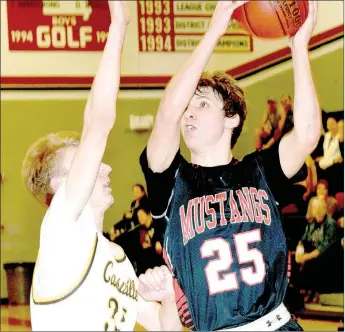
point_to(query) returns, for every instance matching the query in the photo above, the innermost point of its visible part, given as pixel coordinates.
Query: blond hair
(40, 163)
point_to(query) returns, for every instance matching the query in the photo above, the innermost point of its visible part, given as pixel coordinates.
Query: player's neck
(99, 217)
(211, 157)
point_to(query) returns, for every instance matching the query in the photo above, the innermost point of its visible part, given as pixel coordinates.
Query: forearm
(307, 115)
(183, 85)
(154, 316)
(102, 104)
(312, 255)
(168, 316)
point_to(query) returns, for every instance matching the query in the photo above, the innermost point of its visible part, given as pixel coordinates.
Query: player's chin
(191, 141)
(111, 200)
(108, 200)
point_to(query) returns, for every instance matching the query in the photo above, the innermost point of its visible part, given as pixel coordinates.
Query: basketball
(272, 19)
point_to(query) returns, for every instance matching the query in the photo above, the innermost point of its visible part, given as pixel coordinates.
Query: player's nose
(189, 114)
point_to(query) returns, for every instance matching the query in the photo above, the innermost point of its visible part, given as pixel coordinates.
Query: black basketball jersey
(224, 240)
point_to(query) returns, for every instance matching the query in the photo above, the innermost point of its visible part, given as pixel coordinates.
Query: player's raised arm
(100, 113)
(165, 137)
(297, 145)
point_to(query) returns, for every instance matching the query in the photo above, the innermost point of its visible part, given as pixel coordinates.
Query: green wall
(22, 122)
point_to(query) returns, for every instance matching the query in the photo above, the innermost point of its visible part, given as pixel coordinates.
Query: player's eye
(203, 104)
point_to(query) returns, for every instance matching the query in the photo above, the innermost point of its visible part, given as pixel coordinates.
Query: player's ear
(232, 122)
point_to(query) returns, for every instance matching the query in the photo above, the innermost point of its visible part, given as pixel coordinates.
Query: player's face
(101, 195)
(202, 123)
(137, 192)
(332, 125)
(321, 190)
(286, 101)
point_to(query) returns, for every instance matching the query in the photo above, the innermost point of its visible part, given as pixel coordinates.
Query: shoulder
(175, 164)
(58, 208)
(256, 158)
(117, 252)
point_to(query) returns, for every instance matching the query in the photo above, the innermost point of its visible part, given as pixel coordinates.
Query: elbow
(308, 140)
(102, 123)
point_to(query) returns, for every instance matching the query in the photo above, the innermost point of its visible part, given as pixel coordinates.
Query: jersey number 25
(228, 281)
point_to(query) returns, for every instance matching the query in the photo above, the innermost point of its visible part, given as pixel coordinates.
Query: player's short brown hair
(40, 163)
(232, 96)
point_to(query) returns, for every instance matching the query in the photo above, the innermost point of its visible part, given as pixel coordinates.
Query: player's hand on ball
(303, 35)
(156, 284)
(119, 12)
(221, 18)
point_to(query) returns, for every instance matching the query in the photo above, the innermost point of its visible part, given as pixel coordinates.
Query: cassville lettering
(249, 207)
(124, 287)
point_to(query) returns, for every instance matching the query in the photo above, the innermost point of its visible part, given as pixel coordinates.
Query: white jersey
(82, 282)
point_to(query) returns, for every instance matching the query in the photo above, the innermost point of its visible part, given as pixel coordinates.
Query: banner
(57, 25)
(163, 26)
(178, 26)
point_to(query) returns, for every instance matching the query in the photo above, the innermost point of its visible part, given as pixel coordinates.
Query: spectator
(269, 132)
(151, 235)
(140, 201)
(331, 149)
(322, 194)
(130, 219)
(311, 251)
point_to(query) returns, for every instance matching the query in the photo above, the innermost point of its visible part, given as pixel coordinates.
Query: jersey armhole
(40, 300)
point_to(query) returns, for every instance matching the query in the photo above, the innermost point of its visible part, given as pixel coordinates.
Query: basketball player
(224, 241)
(83, 282)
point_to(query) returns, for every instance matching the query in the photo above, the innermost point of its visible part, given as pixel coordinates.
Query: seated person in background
(287, 114)
(331, 150)
(151, 236)
(129, 219)
(319, 236)
(322, 194)
(140, 201)
(270, 131)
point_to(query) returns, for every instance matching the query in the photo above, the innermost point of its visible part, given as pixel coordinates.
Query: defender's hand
(156, 284)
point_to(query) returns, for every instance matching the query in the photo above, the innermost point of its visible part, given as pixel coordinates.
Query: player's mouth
(107, 184)
(189, 128)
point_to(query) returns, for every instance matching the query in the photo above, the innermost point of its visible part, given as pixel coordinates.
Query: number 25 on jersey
(252, 275)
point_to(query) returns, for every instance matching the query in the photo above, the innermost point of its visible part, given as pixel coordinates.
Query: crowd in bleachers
(313, 215)
(139, 234)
